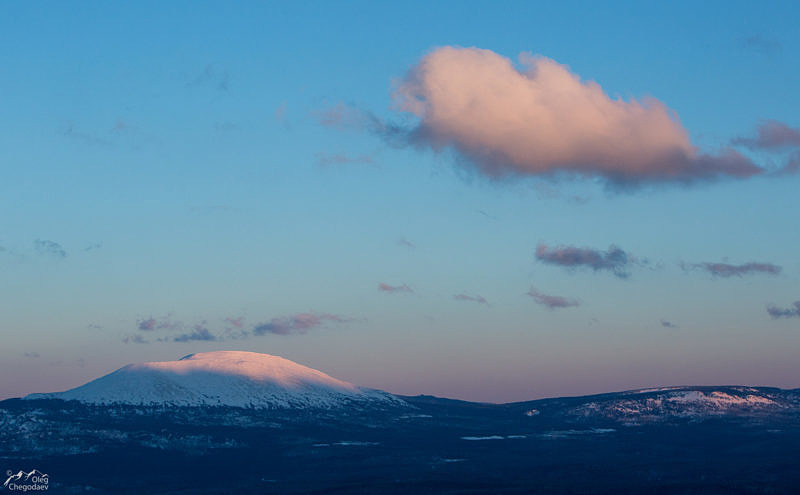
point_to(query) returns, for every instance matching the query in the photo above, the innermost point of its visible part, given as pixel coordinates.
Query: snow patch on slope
(684, 402)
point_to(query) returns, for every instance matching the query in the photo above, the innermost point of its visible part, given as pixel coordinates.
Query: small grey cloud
(211, 77)
(726, 270)
(668, 324)
(236, 322)
(771, 135)
(325, 159)
(550, 301)
(281, 114)
(466, 297)
(761, 43)
(135, 339)
(31, 355)
(776, 312)
(71, 131)
(199, 333)
(406, 243)
(165, 323)
(95, 245)
(615, 260)
(487, 215)
(49, 248)
(299, 323)
(394, 289)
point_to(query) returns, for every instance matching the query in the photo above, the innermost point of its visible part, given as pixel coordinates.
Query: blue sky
(172, 162)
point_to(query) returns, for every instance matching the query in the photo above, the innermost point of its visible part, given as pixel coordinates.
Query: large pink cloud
(540, 118)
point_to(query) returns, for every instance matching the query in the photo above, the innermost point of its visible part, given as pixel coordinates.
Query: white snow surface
(223, 378)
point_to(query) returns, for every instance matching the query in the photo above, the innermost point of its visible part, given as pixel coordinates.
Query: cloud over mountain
(296, 324)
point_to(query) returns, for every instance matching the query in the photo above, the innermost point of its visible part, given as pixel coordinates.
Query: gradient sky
(177, 172)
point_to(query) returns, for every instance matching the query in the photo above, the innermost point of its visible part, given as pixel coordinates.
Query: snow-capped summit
(223, 378)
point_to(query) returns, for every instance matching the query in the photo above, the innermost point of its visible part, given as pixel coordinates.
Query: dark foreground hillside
(698, 440)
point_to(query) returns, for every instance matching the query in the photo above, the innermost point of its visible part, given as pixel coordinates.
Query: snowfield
(223, 378)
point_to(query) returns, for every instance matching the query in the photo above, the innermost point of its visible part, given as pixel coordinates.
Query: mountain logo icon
(35, 477)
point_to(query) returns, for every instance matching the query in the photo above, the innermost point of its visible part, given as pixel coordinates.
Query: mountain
(223, 378)
(121, 436)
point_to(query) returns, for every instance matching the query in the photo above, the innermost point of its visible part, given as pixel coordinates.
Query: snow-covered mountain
(223, 378)
(687, 402)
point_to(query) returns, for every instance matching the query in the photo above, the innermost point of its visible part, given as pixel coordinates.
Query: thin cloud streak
(771, 135)
(325, 159)
(296, 324)
(466, 297)
(551, 301)
(726, 270)
(394, 289)
(614, 260)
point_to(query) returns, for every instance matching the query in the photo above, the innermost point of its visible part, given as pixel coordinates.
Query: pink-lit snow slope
(223, 378)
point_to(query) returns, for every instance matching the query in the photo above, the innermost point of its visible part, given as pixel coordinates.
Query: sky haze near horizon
(458, 199)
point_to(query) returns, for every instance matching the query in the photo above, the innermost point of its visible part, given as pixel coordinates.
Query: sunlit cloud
(539, 118)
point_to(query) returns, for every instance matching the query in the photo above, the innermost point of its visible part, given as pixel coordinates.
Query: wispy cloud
(392, 289)
(49, 248)
(550, 301)
(71, 131)
(326, 159)
(297, 324)
(212, 77)
(668, 324)
(777, 312)
(771, 135)
(763, 44)
(165, 323)
(614, 260)
(135, 339)
(406, 243)
(237, 322)
(726, 270)
(540, 119)
(199, 332)
(466, 297)
(282, 114)
(31, 355)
